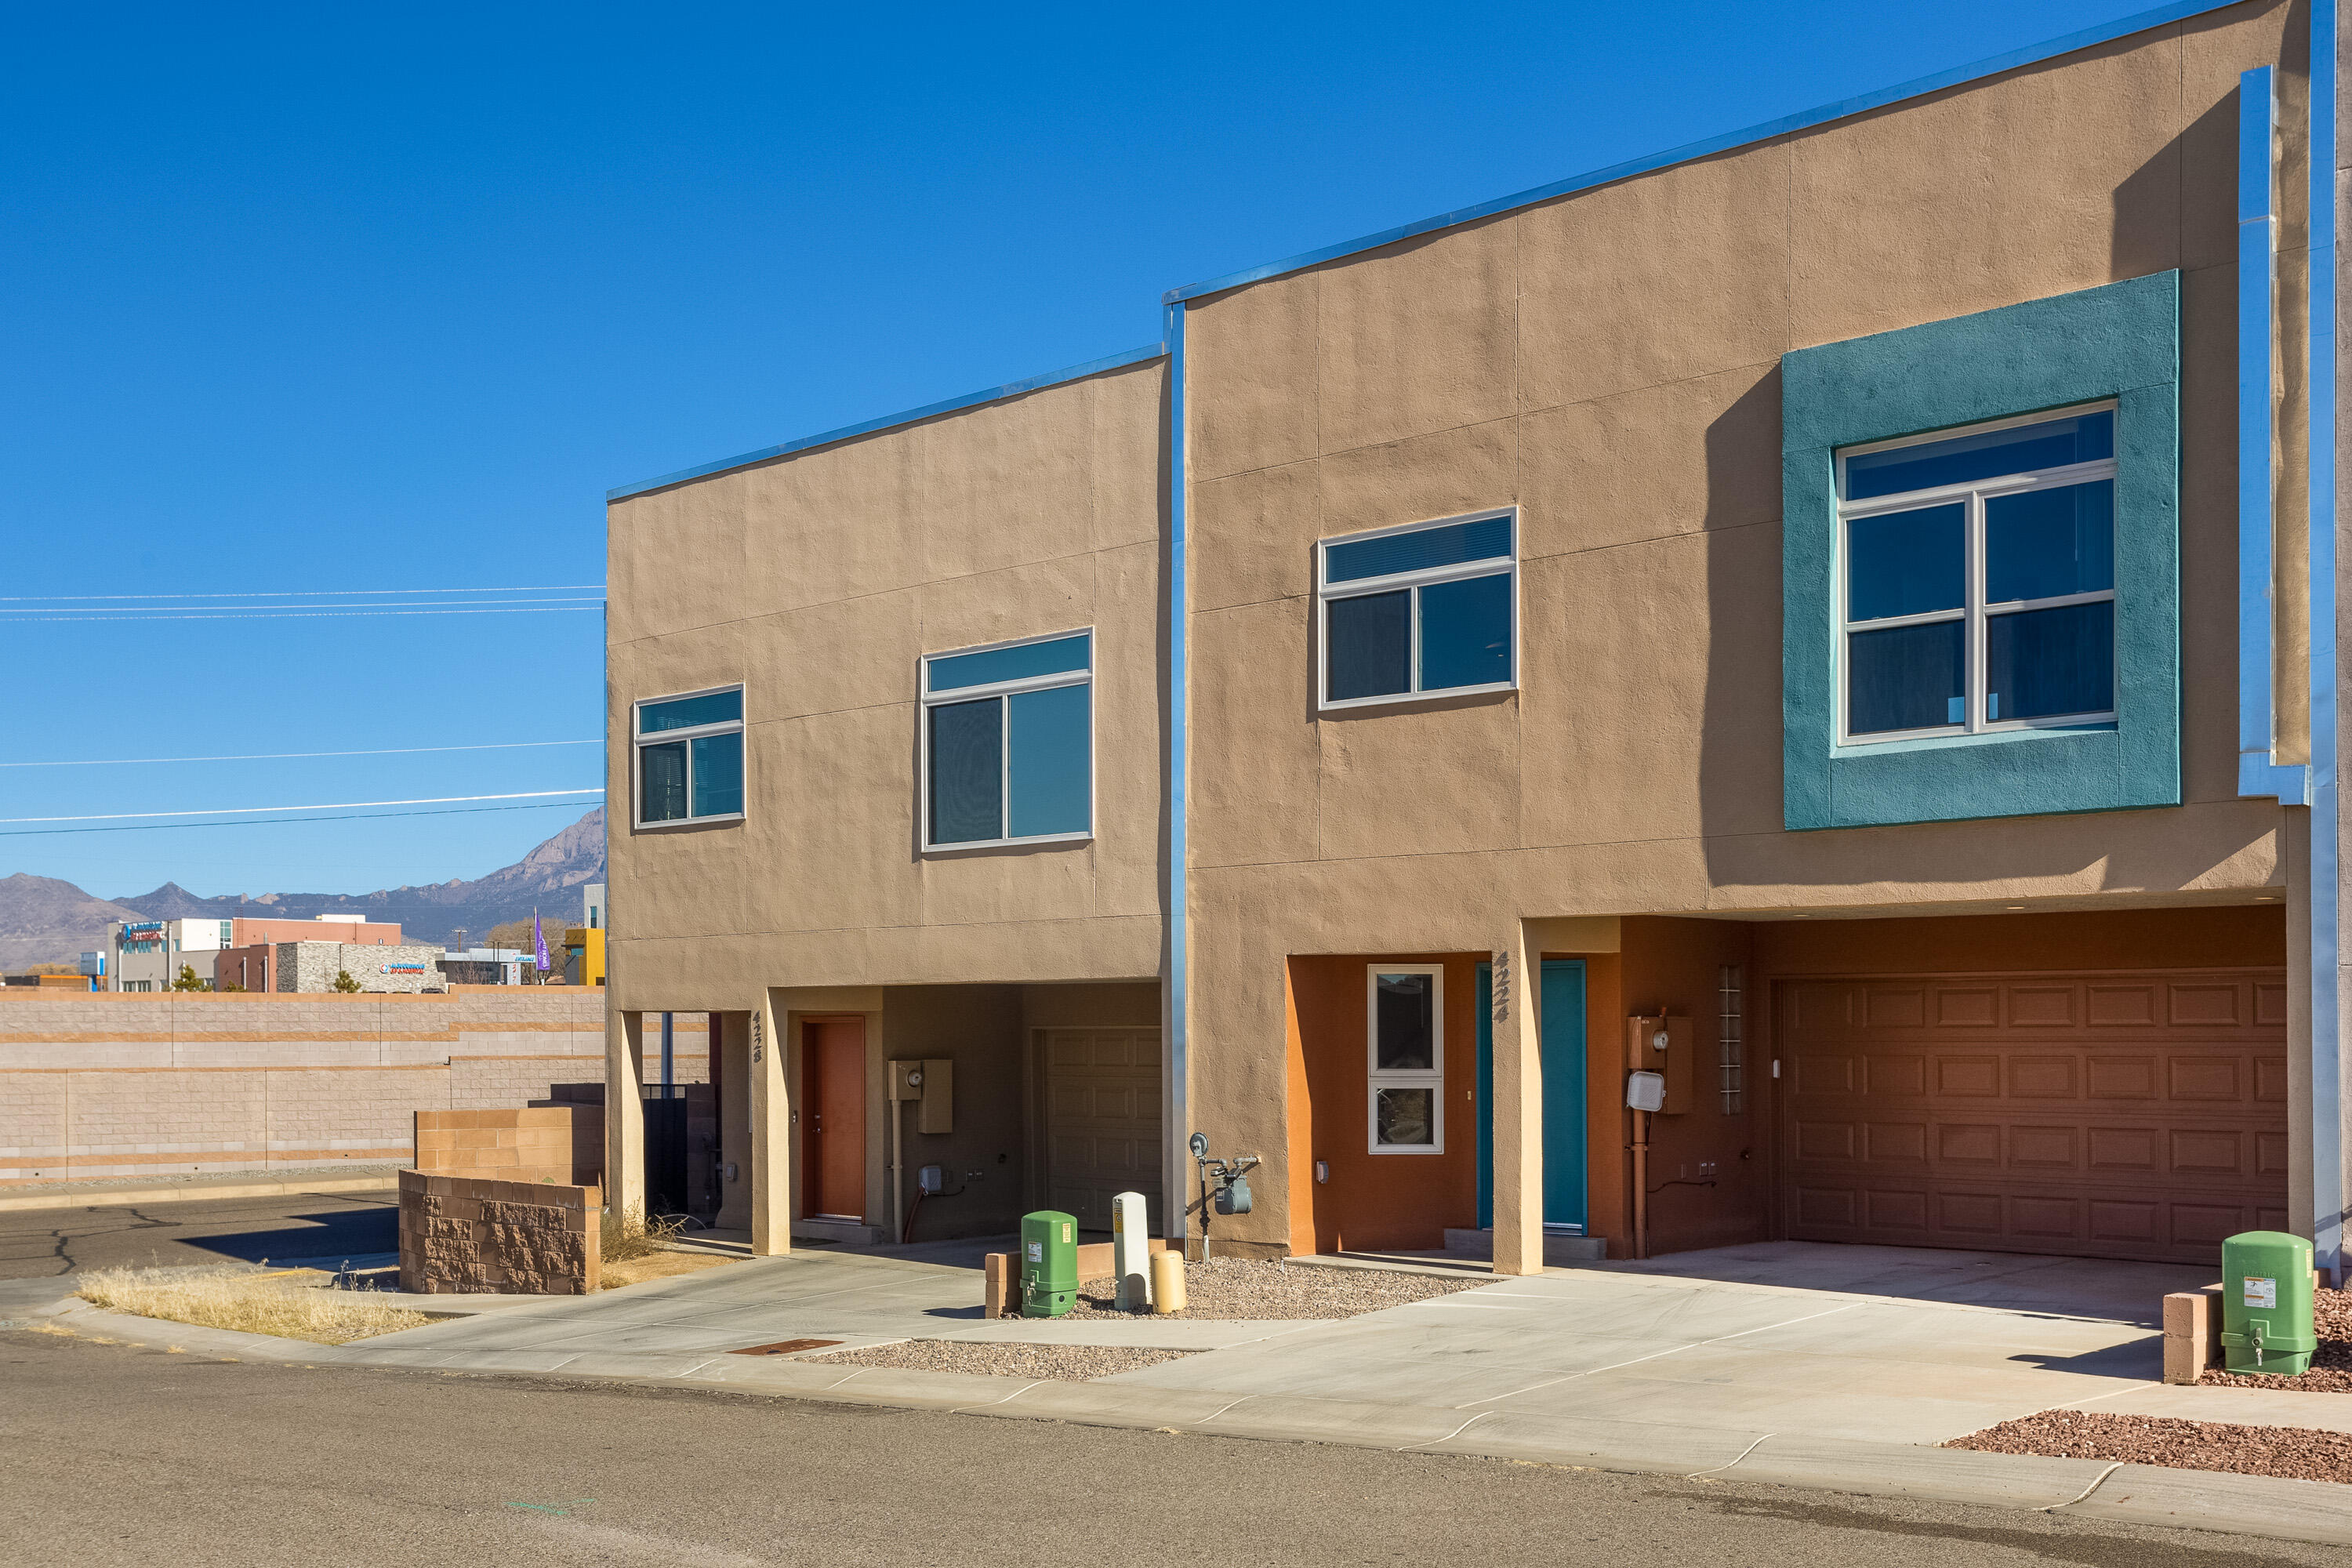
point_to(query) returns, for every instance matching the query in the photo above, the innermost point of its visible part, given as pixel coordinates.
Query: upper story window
(1008, 743)
(690, 757)
(1977, 578)
(1405, 1015)
(1421, 611)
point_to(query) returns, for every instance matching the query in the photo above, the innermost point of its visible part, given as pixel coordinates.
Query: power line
(283, 756)
(299, 593)
(238, 615)
(109, 610)
(283, 821)
(326, 805)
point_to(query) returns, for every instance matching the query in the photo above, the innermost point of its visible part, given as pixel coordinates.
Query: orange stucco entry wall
(1670, 965)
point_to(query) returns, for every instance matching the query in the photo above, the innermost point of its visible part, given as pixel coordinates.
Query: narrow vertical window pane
(1371, 646)
(1907, 677)
(2044, 543)
(718, 775)
(1465, 633)
(967, 772)
(2045, 664)
(1052, 760)
(661, 781)
(1906, 563)
(1405, 1030)
(1405, 1117)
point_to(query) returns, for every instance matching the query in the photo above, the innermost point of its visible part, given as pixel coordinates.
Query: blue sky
(324, 300)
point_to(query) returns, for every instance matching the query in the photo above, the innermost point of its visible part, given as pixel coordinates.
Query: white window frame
(1432, 1078)
(1973, 609)
(639, 740)
(928, 699)
(1326, 591)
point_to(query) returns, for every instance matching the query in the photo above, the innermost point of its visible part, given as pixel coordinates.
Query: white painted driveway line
(965, 1409)
(1655, 1355)
(2096, 1482)
(1408, 1448)
(1741, 1454)
(1221, 1409)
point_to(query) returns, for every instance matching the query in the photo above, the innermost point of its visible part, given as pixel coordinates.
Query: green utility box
(1049, 1265)
(2266, 1303)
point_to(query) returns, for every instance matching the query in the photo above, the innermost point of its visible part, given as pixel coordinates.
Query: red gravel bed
(2331, 1364)
(2293, 1452)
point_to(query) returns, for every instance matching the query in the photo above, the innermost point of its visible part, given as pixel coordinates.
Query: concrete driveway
(1881, 1344)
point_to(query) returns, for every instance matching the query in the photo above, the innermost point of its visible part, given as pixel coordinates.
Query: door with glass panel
(1976, 582)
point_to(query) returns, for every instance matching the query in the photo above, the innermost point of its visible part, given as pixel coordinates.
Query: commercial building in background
(483, 966)
(583, 944)
(147, 955)
(1829, 635)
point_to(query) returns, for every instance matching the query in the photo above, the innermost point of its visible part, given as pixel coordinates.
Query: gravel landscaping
(2294, 1452)
(2331, 1364)
(1232, 1289)
(1059, 1364)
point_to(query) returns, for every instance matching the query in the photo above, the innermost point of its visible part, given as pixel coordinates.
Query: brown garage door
(2101, 1115)
(1102, 1121)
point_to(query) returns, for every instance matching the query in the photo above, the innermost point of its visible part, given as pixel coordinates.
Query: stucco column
(1518, 1109)
(772, 1134)
(624, 1114)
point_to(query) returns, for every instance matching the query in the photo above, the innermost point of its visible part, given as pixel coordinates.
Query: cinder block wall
(115, 1084)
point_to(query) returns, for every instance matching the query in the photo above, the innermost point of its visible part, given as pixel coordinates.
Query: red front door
(832, 1081)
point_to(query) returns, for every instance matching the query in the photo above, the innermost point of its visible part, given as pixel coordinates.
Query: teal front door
(1563, 1094)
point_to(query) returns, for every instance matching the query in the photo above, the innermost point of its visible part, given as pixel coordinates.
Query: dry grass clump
(658, 1265)
(273, 1303)
(634, 1235)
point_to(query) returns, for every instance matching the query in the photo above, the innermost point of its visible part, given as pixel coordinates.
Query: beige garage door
(1102, 1121)
(2101, 1115)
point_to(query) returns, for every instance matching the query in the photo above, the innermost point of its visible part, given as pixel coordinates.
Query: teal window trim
(2119, 344)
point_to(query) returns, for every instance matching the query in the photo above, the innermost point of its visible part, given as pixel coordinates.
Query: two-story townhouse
(1829, 634)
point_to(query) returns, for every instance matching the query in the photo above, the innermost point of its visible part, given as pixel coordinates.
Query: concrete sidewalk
(1831, 1367)
(116, 1191)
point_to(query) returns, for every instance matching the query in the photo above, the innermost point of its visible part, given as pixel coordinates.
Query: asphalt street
(50, 1243)
(111, 1454)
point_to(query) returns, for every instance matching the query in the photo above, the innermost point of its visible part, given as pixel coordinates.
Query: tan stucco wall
(818, 581)
(1608, 362)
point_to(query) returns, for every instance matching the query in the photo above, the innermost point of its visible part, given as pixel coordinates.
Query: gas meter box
(2266, 1287)
(1049, 1264)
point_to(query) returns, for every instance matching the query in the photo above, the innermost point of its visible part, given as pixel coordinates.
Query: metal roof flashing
(1959, 75)
(891, 421)
(1691, 152)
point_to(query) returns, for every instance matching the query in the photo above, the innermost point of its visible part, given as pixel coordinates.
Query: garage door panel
(2205, 1078)
(2120, 1077)
(1895, 1007)
(1905, 1077)
(2041, 1006)
(2120, 1006)
(1968, 1077)
(2204, 1005)
(2128, 1116)
(2041, 1078)
(1967, 1143)
(2032, 1148)
(2270, 1004)
(1958, 1009)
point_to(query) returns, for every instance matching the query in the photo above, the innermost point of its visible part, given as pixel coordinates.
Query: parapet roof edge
(1991, 65)
(929, 411)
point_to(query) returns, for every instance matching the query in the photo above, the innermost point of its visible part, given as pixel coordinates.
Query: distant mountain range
(43, 920)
